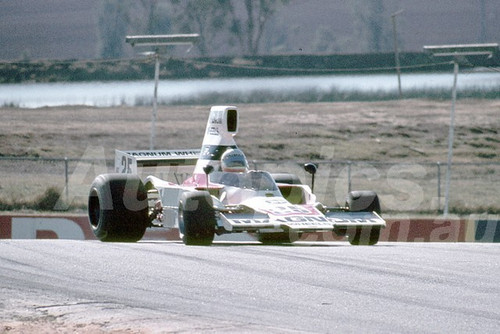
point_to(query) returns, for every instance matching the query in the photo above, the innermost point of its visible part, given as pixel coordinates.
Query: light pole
(158, 41)
(396, 49)
(456, 52)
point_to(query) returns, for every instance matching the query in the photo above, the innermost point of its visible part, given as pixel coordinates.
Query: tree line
(234, 27)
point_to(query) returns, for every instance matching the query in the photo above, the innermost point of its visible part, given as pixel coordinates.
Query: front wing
(240, 222)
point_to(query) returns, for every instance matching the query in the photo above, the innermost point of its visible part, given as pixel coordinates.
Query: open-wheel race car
(221, 196)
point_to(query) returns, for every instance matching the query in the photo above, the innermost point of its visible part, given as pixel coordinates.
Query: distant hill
(67, 29)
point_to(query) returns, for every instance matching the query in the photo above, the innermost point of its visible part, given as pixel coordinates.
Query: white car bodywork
(250, 202)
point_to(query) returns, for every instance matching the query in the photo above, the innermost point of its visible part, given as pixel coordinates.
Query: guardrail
(474, 228)
(402, 186)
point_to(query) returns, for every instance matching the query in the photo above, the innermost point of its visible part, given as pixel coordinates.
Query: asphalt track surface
(158, 286)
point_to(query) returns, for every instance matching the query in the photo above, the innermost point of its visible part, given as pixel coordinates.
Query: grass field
(410, 135)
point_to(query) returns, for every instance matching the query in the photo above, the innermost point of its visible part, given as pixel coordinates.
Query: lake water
(105, 94)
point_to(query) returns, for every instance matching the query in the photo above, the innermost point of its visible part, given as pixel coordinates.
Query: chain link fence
(403, 187)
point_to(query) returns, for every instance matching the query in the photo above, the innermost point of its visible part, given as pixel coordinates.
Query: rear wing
(128, 162)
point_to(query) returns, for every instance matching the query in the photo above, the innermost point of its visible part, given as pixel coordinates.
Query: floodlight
(161, 40)
(396, 50)
(457, 52)
(158, 41)
(488, 49)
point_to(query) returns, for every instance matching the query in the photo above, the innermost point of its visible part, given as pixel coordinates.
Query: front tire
(278, 238)
(118, 208)
(364, 236)
(197, 218)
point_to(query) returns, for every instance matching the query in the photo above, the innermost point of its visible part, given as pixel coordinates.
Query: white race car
(220, 196)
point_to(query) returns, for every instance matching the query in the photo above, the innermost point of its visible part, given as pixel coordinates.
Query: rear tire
(287, 178)
(363, 201)
(118, 208)
(197, 218)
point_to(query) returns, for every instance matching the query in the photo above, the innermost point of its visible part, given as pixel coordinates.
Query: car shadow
(226, 243)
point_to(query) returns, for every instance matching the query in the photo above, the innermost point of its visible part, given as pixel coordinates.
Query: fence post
(349, 186)
(438, 164)
(66, 178)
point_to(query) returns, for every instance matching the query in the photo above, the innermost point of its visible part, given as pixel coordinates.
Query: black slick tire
(197, 218)
(363, 201)
(278, 238)
(118, 208)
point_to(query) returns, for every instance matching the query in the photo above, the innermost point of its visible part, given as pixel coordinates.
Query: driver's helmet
(233, 160)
